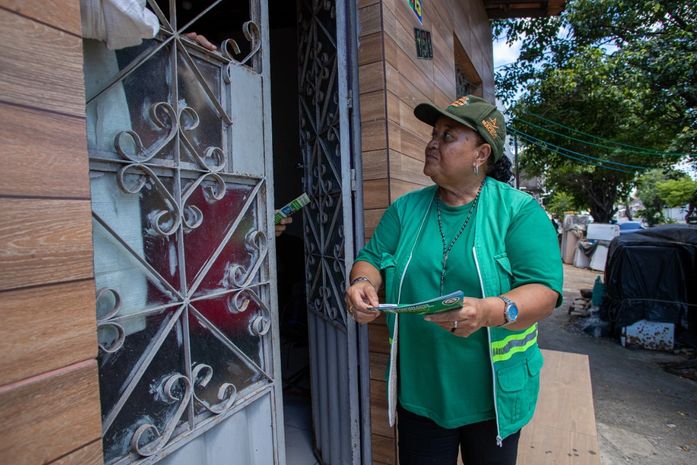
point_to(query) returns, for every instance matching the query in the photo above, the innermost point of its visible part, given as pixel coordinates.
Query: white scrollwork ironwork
(170, 395)
(257, 245)
(230, 48)
(227, 392)
(104, 324)
(166, 222)
(239, 302)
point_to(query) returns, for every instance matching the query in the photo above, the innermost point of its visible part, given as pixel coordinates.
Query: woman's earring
(475, 169)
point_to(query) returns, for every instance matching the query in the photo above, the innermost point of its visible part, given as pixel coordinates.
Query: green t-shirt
(442, 376)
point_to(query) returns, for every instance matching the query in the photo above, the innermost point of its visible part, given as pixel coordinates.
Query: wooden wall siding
(56, 13)
(40, 66)
(41, 153)
(46, 328)
(49, 390)
(45, 417)
(91, 454)
(44, 241)
(392, 82)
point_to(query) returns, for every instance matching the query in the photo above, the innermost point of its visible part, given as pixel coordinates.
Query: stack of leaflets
(444, 303)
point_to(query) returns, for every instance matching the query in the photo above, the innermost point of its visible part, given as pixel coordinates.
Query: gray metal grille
(326, 146)
(183, 300)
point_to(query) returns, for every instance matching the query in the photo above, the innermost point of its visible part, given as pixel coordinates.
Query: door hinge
(353, 179)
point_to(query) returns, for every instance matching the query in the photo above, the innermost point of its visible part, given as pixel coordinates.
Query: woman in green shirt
(469, 378)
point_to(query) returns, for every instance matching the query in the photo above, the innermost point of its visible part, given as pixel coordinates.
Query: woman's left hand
(470, 317)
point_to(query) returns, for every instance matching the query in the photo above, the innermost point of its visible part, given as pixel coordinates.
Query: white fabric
(118, 23)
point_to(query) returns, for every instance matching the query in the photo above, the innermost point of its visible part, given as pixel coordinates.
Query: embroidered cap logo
(491, 126)
(460, 102)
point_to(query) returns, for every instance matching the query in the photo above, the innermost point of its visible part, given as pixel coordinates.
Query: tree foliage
(596, 83)
(678, 192)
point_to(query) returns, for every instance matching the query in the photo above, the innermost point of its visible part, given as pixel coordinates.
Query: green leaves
(615, 85)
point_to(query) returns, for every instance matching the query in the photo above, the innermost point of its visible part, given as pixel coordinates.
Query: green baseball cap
(474, 113)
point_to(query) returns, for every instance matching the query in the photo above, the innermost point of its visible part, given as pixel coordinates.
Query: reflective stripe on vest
(505, 348)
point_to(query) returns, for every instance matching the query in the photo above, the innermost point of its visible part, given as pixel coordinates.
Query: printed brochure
(440, 304)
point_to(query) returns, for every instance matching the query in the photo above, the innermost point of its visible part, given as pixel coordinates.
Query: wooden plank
(46, 328)
(34, 143)
(399, 188)
(445, 83)
(40, 66)
(375, 164)
(377, 339)
(553, 436)
(409, 169)
(91, 454)
(376, 193)
(390, 49)
(378, 365)
(378, 392)
(401, 85)
(370, 20)
(379, 423)
(374, 135)
(384, 450)
(405, 141)
(371, 218)
(441, 99)
(58, 411)
(61, 14)
(370, 48)
(409, 122)
(364, 3)
(373, 106)
(371, 77)
(44, 241)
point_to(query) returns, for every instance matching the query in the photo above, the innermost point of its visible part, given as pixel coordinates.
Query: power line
(578, 159)
(621, 144)
(646, 153)
(603, 161)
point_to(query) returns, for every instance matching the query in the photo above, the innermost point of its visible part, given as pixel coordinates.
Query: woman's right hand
(359, 297)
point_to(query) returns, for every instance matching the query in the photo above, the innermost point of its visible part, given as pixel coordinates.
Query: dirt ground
(644, 415)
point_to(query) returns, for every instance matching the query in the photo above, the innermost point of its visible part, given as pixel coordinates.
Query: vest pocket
(518, 386)
(511, 381)
(505, 272)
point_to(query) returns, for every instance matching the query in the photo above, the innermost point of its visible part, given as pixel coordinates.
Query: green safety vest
(515, 357)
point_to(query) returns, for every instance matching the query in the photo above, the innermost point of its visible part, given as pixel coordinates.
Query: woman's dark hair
(499, 170)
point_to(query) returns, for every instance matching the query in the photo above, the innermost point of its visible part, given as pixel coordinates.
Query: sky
(503, 54)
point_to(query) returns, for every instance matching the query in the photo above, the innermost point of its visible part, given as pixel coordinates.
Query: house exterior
(137, 265)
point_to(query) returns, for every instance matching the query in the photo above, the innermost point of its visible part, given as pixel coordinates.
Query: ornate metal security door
(326, 141)
(187, 331)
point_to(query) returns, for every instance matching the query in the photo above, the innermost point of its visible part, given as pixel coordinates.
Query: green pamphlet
(291, 207)
(444, 303)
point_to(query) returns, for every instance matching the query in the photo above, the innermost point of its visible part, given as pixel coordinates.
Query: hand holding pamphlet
(291, 207)
(444, 303)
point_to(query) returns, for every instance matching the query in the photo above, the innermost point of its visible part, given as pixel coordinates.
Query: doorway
(314, 142)
(290, 262)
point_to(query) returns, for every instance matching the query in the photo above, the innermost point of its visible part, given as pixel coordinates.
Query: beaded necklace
(446, 250)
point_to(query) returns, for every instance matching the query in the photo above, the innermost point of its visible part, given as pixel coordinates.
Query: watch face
(512, 311)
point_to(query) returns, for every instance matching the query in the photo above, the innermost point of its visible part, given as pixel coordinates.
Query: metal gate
(327, 139)
(179, 157)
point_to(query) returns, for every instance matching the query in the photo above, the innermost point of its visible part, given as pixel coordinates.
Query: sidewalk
(644, 415)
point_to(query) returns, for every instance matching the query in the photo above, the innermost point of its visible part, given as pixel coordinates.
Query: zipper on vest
(499, 440)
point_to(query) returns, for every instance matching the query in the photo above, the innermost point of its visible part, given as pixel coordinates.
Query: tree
(559, 203)
(598, 82)
(647, 192)
(678, 192)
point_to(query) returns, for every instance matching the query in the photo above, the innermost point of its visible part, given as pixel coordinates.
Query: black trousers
(423, 442)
